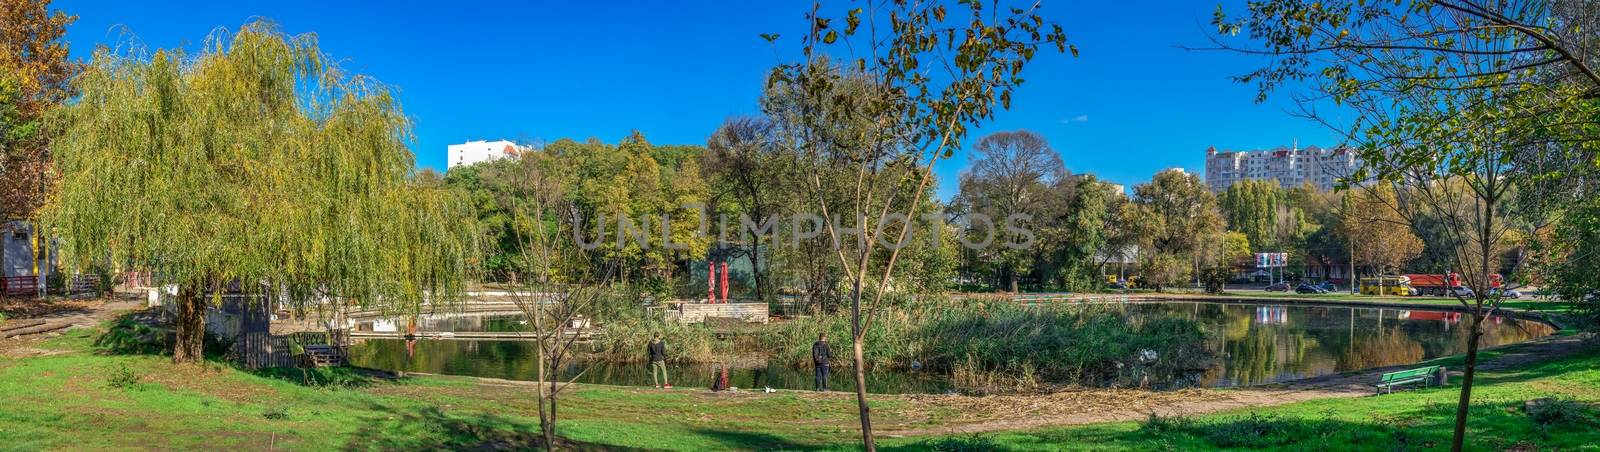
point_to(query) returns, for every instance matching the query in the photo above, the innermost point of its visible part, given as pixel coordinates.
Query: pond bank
(964, 414)
(991, 348)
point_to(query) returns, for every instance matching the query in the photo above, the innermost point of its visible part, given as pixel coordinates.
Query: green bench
(1424, 375)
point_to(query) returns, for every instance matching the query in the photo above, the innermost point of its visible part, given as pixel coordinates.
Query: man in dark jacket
(820, 354)
(658, 362)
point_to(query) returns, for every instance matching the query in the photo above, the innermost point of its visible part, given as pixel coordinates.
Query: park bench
(1422, 375)
(19, 286)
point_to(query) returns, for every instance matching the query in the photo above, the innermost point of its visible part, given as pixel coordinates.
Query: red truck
(1442, 284)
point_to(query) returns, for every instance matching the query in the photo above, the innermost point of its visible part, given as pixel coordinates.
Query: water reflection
(1254, 344)
(514, 360)
(1268, 344)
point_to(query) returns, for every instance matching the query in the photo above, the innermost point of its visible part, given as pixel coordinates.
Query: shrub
(972, 442)
(1156, 425)
(324, 377)
(132, 335)
(123, 378)
(1259, 431)
(1262, 431)
(147, 332)
(276, 413)
(1559, 412)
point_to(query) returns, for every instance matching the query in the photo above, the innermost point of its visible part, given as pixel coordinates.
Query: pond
(1254, 344)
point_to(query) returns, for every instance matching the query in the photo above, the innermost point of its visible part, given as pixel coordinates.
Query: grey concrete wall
(697, 312)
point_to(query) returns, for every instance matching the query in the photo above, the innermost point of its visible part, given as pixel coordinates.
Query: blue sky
(1131, 104)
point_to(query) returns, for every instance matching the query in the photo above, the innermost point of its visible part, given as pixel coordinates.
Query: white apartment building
(481, 151)
(1290, 166)
(1119, 189)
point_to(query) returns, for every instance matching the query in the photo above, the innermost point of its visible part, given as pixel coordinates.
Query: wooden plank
(35, 329)
(21, 324)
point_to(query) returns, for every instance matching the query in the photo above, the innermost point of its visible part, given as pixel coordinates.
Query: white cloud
(1078, 118)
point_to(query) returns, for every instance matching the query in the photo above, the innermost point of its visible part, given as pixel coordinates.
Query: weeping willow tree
(255, 163)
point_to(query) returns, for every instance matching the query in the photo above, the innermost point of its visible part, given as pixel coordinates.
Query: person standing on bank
(820, 354)
(658, 363)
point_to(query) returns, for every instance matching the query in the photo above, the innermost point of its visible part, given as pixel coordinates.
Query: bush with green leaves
(123, 377)
(1560, 412)
(276, 413)
(1252, 431)
(969, 443)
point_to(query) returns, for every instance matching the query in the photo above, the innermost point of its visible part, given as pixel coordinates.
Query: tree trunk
(550, 427)
(1011, 279)
(547, 422)
(1480, 294)
(1458, 440)
(189, 345)
(861, 395)
(755, 272)
(857, 336)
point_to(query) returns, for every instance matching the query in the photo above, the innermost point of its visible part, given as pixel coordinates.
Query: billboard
(1272, 260)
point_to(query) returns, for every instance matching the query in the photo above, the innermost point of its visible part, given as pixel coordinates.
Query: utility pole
(1352, 259)
(40, 255)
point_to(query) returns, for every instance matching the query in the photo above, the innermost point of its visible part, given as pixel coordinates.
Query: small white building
(473, 152)
(16, 249)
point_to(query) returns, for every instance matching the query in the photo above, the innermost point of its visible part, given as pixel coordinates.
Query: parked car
(1308, 288)
(1277, 287)
(1328, 286)
(1509, 294)
(1461, 291)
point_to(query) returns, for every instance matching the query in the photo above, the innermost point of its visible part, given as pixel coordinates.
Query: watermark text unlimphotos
(982, 232)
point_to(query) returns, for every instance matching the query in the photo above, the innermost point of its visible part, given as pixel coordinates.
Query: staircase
(324, 356)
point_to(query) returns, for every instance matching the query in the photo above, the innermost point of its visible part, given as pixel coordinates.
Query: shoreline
(1311, 382)
(1082, 406)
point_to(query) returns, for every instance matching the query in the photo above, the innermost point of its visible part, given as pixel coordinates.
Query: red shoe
(658, 386)
(667, 386)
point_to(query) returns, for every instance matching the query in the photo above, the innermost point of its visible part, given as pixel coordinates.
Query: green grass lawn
(84, 399)
(1418, 419)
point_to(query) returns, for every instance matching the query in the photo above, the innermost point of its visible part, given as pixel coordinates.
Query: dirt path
(59, 315)
(998, 413)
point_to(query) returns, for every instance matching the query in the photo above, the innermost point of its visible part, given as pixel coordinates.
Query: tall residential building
(1290, 166)
(481, 151)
